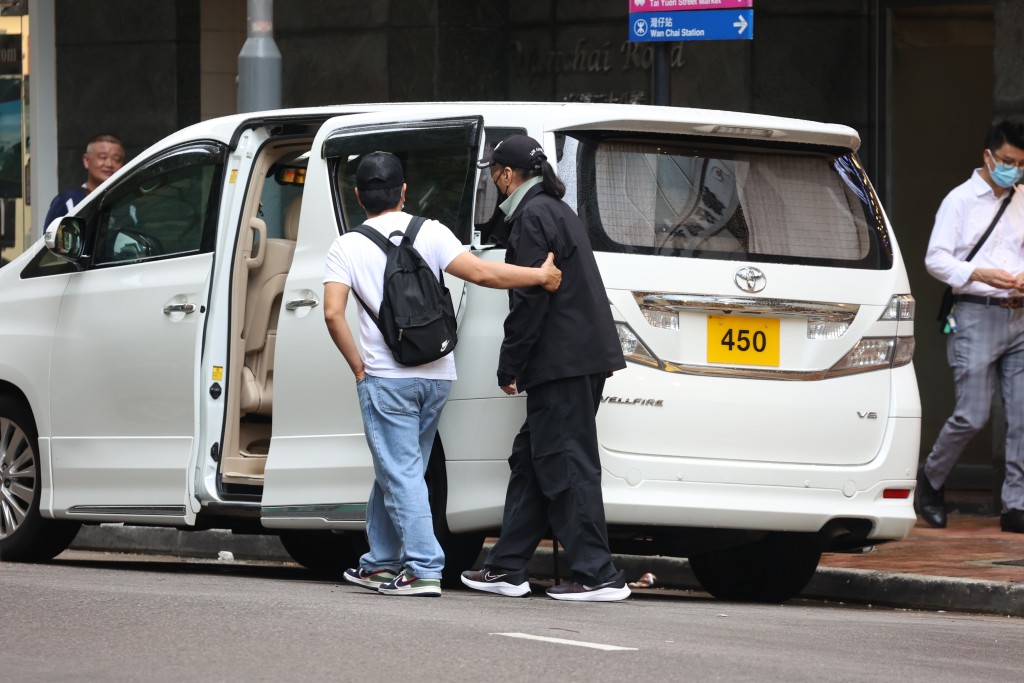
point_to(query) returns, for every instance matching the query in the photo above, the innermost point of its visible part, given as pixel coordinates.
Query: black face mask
(501, 195)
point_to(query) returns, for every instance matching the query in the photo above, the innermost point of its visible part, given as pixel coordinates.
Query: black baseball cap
(517, 151)
(379, 170)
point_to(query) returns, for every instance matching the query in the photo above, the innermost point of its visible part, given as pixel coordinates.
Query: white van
(164, 359)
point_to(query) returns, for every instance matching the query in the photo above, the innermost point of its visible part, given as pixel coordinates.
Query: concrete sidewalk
(971, 566)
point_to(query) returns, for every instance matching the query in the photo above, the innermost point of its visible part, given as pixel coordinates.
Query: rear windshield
(687, 198)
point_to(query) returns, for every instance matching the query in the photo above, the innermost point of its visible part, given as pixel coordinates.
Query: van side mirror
(69, 240)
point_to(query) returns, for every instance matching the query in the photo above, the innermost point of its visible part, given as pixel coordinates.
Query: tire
(773, 569)
(24, 535)
(460, 550)
(325, 553)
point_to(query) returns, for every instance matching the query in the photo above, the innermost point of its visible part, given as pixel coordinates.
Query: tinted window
(166, 209)
(439, 159)
(677, 197)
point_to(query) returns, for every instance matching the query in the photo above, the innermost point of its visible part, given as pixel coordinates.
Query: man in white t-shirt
(401, 405)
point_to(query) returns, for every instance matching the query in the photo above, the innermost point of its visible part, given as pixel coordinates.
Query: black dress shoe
(929, 502)
(1012, 521)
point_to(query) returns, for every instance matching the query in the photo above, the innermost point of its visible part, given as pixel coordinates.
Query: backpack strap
(372, 235)
(413, 228)
(411, 232)
(378, 239)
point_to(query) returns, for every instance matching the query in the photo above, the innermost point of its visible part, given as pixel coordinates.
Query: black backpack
(416, 316)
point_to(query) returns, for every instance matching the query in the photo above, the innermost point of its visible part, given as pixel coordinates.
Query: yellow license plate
(741, 340)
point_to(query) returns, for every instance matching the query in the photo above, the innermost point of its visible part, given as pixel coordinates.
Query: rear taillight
(879, 353)
(901, 307)
(633, 348)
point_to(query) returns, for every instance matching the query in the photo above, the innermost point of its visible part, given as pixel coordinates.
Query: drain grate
(1011, 563)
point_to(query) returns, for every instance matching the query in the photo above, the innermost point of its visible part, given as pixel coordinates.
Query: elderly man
(104, 155)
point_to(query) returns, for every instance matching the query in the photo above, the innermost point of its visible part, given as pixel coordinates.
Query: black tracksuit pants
(556, 481)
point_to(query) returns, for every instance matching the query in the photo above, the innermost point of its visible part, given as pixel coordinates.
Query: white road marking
(563, 641)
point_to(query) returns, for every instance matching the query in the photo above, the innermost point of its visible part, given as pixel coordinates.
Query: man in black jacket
(559, 348)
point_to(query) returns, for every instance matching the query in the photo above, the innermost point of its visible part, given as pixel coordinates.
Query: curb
(117, 538)
(908, 591)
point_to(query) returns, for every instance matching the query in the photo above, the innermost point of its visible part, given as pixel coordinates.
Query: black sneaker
(512, 584)
(609, 591)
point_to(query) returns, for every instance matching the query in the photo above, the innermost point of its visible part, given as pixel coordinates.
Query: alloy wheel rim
(17, 477)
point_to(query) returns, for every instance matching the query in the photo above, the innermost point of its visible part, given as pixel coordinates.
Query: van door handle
(301, 303)
(179, 308)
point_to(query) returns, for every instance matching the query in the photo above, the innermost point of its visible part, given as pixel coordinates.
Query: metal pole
(42, 92)
(661, 70)
(259, 62)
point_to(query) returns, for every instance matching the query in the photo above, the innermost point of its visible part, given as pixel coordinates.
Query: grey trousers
(989, 340)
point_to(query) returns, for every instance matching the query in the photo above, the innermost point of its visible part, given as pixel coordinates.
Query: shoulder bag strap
(992, 225)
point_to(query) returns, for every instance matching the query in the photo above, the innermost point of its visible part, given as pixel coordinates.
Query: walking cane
(554, 556)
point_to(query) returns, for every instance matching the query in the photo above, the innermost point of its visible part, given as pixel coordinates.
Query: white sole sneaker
(604, 593)
(600, 595)
(512, 590)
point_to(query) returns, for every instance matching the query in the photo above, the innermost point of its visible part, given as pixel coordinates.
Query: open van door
(319, 472)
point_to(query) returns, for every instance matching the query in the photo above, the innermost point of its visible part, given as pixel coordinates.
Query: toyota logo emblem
(750, 279)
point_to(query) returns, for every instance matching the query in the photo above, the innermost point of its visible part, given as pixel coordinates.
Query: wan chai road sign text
(674, 5)
(690, 25)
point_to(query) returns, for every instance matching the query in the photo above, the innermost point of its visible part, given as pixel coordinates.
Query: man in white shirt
(987, 336)
(401, 405)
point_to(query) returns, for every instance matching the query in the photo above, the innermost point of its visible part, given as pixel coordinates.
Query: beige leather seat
(269, 270)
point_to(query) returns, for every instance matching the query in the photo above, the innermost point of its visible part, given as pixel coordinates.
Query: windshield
(678, 197)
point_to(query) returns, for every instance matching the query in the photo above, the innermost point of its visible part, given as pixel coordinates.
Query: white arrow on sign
(741, 24)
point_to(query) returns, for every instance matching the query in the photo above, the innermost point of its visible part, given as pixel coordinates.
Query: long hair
(553, 185)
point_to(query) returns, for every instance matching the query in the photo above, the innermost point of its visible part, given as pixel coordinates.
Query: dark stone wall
(810, 59)
(339, 52)
(127, 67)
(1007, 59)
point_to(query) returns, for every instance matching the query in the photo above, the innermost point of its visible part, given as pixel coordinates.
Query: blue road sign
(699, 25)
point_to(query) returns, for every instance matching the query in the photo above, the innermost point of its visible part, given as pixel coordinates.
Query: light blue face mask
(1005, 175)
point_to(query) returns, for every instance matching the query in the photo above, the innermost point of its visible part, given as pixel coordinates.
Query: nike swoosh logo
(493, 577)
(444, 344)
(405, 580)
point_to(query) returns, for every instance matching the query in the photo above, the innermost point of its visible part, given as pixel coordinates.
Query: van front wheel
(774, 569)
(24, 535)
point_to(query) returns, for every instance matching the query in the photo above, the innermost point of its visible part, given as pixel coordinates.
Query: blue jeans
(400, 418)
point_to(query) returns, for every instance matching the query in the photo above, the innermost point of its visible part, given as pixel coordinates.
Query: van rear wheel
(774, 569)
(325, 553)
(24, 535)
(460, 550)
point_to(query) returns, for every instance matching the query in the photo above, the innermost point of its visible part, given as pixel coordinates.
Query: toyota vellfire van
(164, 358)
